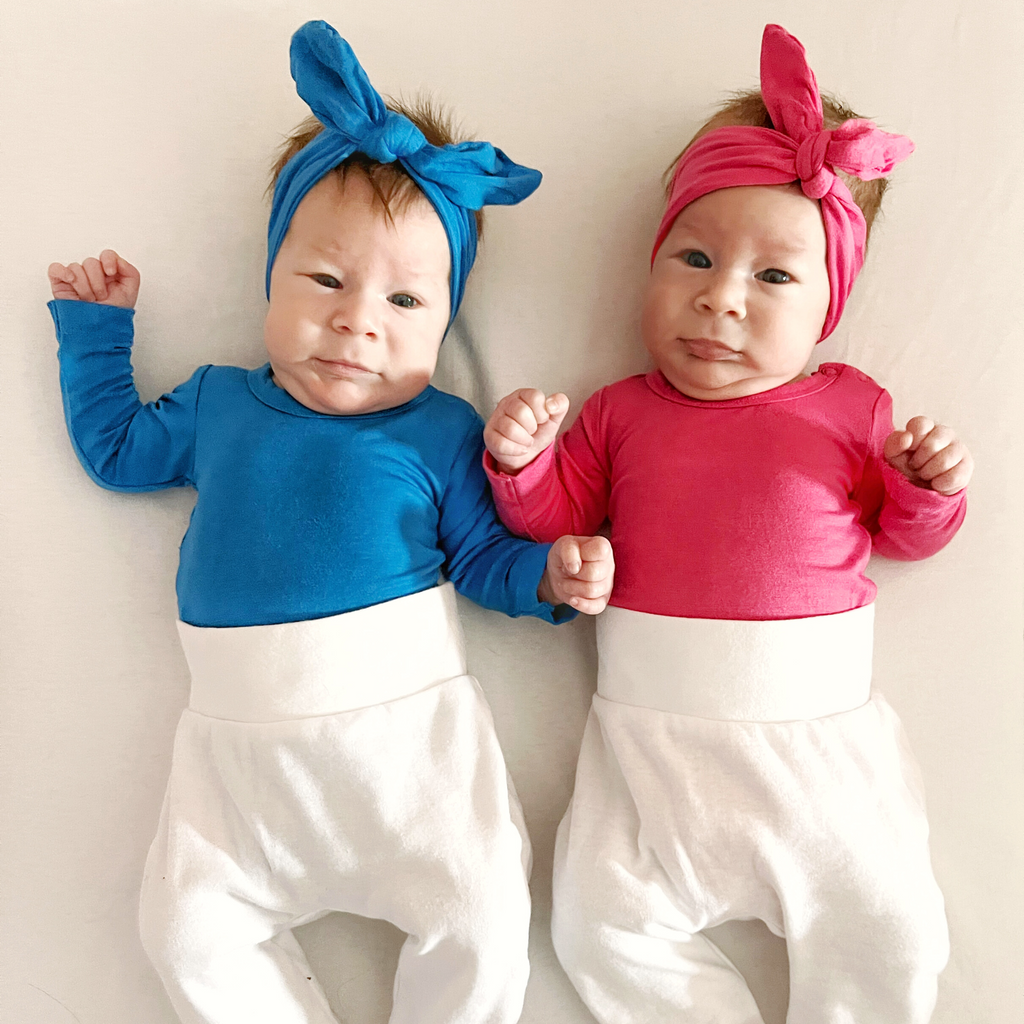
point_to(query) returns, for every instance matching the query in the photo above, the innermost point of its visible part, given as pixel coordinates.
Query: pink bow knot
(815, 178)
(861, 148)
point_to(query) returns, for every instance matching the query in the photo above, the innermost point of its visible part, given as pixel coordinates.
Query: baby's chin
(362, 396)
(720, 382)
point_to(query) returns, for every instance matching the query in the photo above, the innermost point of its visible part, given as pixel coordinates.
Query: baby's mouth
(342, 368)
(708, 349)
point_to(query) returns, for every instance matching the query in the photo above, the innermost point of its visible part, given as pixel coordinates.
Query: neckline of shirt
(826, 375)
(266, 391)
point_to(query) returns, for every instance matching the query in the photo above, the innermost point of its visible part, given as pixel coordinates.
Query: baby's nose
(354, 314)
(724, 293)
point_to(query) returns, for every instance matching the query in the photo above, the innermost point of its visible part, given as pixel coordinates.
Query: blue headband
(455, 179)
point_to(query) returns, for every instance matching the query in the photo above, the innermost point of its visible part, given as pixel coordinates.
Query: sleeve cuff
(508, 489)
(526, 478)
(920, 501)
(75, 320)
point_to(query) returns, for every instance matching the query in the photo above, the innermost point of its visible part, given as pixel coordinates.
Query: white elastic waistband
(736, 671)
(324, 666)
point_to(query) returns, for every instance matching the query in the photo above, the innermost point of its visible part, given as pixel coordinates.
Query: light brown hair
(393, 188)
(747, 108)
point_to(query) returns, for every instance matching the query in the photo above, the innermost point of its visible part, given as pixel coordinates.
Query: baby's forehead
(779, 215)
(410, 258)
(351, 190)
(343, 222)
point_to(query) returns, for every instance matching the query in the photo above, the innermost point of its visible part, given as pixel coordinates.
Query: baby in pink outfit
(736, 764)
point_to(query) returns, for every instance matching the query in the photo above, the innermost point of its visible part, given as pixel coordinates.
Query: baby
(735, 764)
(335, 754)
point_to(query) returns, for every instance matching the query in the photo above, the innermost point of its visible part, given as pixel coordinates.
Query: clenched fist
(930, 455)
(580, 573)
(109, 280)
(522, 426)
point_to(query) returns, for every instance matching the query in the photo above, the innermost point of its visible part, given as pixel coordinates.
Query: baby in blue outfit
(335, 754)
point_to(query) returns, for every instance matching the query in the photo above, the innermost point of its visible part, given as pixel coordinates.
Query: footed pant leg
(865, 918)
(455, 878)
(213, 921)
(470, 967)
(625, 921)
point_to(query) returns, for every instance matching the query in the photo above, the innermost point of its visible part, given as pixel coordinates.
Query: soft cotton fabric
(299, 514)
(713, 787)
(816, 828)
(401, 811)
(736, 670)
(762, 507)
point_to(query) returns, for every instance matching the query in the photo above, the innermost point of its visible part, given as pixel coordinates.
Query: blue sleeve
(485, 562)
(122, 444)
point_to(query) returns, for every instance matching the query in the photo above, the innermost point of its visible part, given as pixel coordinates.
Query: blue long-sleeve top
(298, 514)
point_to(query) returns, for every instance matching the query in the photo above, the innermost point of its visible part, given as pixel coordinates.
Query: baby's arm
(543, 490)
(122, 444)
(913, 491)
(496, 569)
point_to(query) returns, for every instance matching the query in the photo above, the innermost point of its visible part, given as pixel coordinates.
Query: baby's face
(738, 292)
(358, 305)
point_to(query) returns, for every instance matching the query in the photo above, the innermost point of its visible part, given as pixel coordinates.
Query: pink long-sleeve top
(763, 507)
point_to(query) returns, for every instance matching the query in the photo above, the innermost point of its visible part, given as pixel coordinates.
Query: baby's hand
(108, 280)
(522, 426)
(580, 573)
(930, 455)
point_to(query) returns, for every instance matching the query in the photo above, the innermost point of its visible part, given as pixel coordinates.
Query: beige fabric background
(149, 126)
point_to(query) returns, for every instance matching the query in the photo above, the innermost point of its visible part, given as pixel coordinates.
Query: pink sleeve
(906, 522)
(565, 489)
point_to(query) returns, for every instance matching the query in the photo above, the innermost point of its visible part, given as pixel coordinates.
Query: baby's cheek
(663, 297)
(279, 322)
(417, 378)
(652, 321)
(401, 386)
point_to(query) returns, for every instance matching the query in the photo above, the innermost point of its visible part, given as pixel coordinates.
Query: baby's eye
(326, 280)
(774, 276)
(695, 258)
(405, 301)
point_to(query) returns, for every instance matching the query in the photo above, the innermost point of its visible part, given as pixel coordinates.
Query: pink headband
(796, 149)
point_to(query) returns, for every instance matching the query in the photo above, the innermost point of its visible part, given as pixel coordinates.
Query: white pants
(680, 822)
(290, 796)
